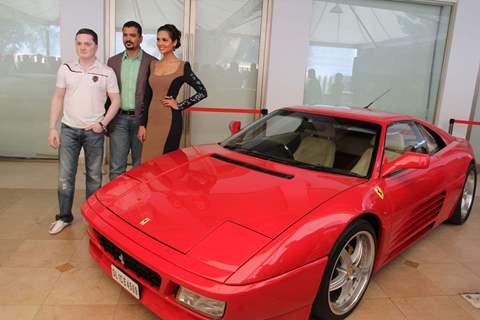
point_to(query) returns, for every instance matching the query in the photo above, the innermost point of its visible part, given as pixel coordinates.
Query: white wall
(461, 73)
(75, 15)
(289, 44)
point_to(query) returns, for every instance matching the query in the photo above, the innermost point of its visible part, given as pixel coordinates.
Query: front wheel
(348, 272)
(465, 203)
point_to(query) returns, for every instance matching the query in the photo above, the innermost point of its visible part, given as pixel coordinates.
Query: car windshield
(310, 141)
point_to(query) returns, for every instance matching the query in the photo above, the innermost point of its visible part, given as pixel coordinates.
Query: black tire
(457, 217)
(321, 309)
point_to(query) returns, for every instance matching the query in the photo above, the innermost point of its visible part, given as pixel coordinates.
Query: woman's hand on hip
(169, 101)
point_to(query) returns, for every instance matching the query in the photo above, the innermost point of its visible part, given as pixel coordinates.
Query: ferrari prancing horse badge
(145, 221)
(379, 192)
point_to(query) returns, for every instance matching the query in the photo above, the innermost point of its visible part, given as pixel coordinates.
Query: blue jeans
(123, 138)
(72, 140)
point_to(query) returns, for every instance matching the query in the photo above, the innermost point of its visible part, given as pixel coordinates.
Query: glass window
(225, 53)
(434, 142)
(29, 60)
(474, 132)
(227, 48)
(360, 49)
(151, 15)
(403, 137)
(310, 141)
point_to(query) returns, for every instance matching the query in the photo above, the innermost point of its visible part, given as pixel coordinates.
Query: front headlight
(206, 306)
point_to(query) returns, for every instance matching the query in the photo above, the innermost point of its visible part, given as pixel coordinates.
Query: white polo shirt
(86, 92)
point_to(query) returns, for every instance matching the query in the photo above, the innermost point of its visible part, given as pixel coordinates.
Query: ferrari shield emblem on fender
(145, 221)
(379, 192)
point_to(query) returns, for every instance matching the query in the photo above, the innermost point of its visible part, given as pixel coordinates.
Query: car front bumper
(284, 297)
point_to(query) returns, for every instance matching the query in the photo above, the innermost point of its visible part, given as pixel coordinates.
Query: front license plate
(125, 281)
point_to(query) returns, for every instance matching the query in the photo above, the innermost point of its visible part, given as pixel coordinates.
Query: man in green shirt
(132, 68)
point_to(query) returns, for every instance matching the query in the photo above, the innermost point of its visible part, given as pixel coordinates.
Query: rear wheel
(348, 272)
(465, 203)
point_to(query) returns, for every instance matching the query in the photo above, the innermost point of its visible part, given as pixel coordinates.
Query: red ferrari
(286, 219)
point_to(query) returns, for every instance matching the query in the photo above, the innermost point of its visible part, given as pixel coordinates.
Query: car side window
(434, 142)
(403, 137)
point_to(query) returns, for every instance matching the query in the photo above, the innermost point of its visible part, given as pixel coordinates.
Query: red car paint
(256, 241)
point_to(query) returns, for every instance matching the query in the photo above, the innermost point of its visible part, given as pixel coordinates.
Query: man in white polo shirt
(81, 91)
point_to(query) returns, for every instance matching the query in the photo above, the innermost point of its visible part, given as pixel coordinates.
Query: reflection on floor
(52, 277)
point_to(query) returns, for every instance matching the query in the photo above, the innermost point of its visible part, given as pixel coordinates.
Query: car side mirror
(234, 126)
(408, 160)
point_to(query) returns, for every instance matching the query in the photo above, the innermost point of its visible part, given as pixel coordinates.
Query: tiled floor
(45, 277)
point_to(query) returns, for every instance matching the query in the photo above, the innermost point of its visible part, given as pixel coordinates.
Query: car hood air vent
(252, 166)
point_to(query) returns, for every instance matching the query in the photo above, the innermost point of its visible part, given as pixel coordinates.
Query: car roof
(369, 115)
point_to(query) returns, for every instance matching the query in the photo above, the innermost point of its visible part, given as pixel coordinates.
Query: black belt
(129, 112)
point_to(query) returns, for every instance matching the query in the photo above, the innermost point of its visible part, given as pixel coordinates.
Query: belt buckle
(128, 112)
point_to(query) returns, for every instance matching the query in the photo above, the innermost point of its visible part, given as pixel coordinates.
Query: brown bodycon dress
(164, 124)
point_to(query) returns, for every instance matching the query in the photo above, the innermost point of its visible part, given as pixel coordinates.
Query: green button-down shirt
(129, 75)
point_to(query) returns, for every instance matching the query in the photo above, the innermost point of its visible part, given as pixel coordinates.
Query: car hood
(181, 198)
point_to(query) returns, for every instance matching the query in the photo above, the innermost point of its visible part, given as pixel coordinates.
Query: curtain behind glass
(227, 46)
(29, 60)
(151, 14)
(360, 49)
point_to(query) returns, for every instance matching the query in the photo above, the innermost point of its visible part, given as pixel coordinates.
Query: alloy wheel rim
(351, 274)
(467, 194)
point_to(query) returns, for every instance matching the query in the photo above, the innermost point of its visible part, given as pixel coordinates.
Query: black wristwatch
(103, 127)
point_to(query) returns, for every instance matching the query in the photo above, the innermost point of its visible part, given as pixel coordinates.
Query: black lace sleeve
(196, 84)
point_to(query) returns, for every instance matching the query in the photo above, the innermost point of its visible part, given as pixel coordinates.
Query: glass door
(226, 57)
(473, 133)
(29, 60)
(151, 15)
(224, 42)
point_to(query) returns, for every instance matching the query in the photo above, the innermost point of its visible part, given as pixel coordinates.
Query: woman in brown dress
(164, 114)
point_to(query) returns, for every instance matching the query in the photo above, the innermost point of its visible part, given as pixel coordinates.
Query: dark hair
(90, 32)
(174, 33)
(134, 24)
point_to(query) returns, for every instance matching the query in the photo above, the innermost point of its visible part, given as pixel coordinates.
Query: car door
(414, 196)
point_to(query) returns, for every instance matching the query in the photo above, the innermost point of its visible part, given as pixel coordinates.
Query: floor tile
(374, 291)
(400, 280)
(43, 253)
(26, 286)
(127, 298)
(428, 308)
(7, 248)
(12, 228)
(377, 309)
(473, 312)
(137, 312)
(427, 251)
(84, 286)
(81, 257)
(75, 312)
(452, 278)
(18, 312)
(8, 197)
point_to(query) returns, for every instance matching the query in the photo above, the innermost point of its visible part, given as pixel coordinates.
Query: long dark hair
(173, 32)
